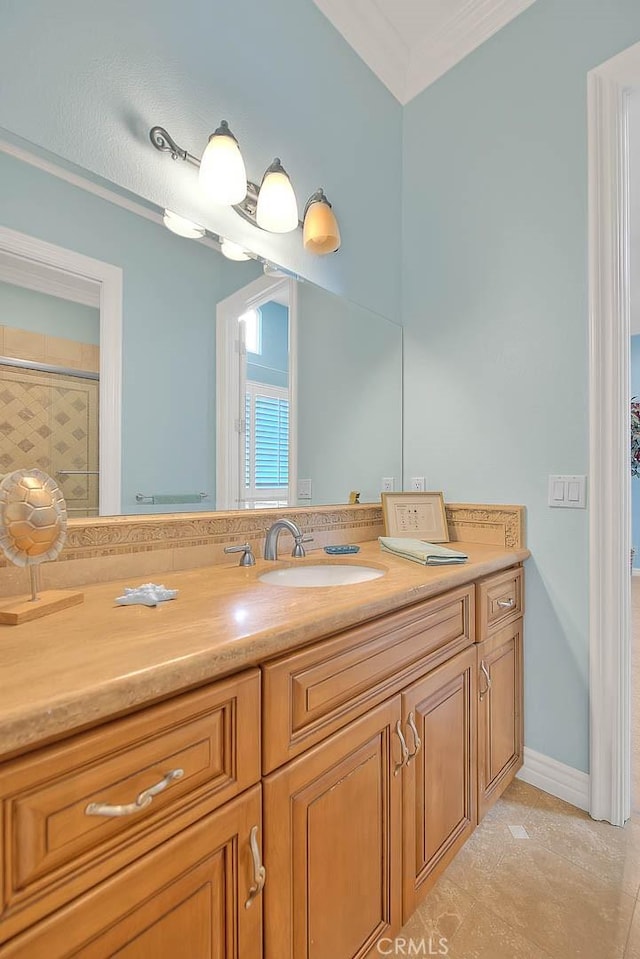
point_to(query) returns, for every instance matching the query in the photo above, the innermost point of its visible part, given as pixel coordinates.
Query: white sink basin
(322, 575)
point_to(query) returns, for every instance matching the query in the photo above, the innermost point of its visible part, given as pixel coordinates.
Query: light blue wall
(495, 313)
(170, 290)
(36, 312)
(349, 397)
(87, 80)
(635, 480)
(272, 365)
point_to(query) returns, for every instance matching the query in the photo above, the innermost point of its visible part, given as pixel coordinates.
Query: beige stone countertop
(83, 665)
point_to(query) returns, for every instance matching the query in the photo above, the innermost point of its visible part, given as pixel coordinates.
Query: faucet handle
(247, 558)
(298, 549)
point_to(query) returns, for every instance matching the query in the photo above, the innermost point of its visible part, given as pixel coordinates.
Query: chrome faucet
(271, 541)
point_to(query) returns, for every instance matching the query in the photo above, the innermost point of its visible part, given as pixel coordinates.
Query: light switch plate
(568, 491)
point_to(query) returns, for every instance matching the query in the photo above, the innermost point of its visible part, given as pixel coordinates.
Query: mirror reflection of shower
(49, 377)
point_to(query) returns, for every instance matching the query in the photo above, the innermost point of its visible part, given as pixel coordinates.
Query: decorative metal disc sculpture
(33, 529)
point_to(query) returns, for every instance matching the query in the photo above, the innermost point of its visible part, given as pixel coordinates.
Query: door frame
(109, 280)
(229, 410)
(608, 89)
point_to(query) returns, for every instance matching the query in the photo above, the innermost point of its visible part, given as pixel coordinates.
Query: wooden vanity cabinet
(500, 684)
(379, 749)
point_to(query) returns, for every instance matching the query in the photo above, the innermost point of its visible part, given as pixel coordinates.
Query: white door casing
(609, 86)
(229, 391)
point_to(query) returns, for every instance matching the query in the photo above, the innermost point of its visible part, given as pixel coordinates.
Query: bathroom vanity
(254, 770)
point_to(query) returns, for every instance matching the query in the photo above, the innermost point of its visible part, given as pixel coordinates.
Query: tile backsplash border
(116, 547)
(120, 535)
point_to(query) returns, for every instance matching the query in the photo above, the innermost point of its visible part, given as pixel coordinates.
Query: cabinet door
(439, 780)
(186, 898)
(500, 733)
(332, 843)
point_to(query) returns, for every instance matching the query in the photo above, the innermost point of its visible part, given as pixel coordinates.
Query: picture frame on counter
(415, 516)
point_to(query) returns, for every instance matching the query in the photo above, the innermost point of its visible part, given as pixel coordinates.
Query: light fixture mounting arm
(166, 144)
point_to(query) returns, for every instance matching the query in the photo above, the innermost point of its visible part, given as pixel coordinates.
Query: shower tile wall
(54, 350)
(49, 421)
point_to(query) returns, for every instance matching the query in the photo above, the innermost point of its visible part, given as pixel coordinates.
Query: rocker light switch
(569, 492)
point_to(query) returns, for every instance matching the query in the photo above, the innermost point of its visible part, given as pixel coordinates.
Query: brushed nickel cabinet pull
(483, 667)
(259, 872)
(411, 723)
(506, 603)
(403, 747)
(142, 800)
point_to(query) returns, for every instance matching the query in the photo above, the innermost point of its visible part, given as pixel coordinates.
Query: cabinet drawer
(500, 601)
(311, 693)
(186, 898)
(60, 805)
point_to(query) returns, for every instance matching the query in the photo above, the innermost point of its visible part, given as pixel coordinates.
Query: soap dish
(341, 550)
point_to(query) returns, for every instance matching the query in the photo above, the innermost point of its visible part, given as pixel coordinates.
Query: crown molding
(458, 36)
(374, 39)
(408, 68)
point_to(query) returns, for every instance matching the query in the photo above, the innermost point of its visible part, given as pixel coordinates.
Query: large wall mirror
(316, 401)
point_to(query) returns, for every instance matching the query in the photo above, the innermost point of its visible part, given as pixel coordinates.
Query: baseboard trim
(555, 778)
(635, 572)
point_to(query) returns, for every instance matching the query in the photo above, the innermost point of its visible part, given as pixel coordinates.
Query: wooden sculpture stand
(39, 604)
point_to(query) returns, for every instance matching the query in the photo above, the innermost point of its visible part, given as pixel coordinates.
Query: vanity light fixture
(320, 233)
(277, 209)
(222, 174)
(272, 206)
(233, 251)
(182, 226)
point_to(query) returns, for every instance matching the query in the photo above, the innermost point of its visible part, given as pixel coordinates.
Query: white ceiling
(410, 43)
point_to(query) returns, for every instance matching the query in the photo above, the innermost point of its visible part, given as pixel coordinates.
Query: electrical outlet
(304, 489)
(387, 484)
(417, 484)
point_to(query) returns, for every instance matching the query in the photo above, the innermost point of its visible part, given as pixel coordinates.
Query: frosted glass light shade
(277, 209)
(233, 251)
(222, 172)
(321, 233)
(181, 226)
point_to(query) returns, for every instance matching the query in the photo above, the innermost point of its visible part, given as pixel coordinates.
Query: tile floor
(568, 891)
